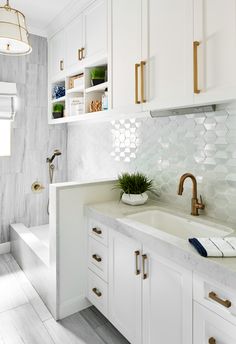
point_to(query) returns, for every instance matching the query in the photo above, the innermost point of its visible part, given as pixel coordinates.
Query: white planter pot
(133, 199)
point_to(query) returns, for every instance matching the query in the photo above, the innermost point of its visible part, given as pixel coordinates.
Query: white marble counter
(113, 214)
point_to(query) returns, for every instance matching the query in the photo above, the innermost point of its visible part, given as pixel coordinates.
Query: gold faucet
(195, 203)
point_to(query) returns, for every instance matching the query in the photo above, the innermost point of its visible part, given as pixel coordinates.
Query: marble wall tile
(32, 141)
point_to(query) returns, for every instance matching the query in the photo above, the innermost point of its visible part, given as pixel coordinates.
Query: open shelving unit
(79, 94)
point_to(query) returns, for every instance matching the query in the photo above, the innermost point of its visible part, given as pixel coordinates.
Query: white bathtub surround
(179, 250)
(203, 144)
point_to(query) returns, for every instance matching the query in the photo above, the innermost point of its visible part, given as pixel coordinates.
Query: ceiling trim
(70, 12)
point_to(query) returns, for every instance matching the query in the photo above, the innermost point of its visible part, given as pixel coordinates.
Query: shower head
(55, 153)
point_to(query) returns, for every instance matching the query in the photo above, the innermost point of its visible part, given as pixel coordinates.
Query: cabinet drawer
(210, 328)
(97, 258)
(98, 231)
(216, 297)
(97, 292)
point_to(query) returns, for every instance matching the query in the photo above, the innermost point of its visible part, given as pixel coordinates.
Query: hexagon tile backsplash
(164, 148)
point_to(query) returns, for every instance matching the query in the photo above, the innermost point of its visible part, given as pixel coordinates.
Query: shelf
(97, 88)
(58, 100)
(75, 90)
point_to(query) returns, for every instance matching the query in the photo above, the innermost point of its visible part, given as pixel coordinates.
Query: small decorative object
(105, 100)
(58, 92)
(76, 106)
(76, 81)
(58, 110)
(97, 75)
(95, 106)
(133, 188)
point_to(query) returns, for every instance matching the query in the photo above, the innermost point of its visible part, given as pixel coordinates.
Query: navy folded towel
(198, 246)
(215, 247)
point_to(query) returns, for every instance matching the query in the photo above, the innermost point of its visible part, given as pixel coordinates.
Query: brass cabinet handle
(142, 64)
(79, 54)
(137, 270)
(195, 67)
(225, 303)
(144, 259)
(137, 65)
(82, 53)
(61, 65)
(97, 258)
(97, 292)
(212, 340)
(97, 231)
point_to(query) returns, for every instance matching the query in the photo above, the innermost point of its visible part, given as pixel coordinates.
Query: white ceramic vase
(133, 199)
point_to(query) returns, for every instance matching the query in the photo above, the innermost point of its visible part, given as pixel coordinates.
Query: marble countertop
(113, 214)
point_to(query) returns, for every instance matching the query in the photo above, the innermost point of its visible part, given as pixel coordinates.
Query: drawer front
(97, 292)
(98, 231)
(97, 258)
(210, 328)
(216, 297)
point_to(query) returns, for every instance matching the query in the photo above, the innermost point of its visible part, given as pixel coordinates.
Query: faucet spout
(196, 205)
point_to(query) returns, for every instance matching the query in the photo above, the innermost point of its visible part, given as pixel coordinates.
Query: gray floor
(24, 319)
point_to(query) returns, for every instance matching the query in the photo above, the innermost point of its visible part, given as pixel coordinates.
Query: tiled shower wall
(164, 148)
(32, 141)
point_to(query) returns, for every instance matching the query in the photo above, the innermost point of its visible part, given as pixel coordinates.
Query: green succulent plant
(98, 73)
(58, 108)
(134, 183)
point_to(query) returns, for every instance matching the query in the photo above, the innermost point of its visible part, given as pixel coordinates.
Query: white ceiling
(39, 14)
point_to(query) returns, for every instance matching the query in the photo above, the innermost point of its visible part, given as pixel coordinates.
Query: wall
(32, 141)
(164, 148)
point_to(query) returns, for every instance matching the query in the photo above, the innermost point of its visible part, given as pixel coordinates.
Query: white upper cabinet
(168, 35)
(95, 31)
(74, 42)
(215, 30)
(167, 302)
(57, 55)
(125, 286)
(126, 55)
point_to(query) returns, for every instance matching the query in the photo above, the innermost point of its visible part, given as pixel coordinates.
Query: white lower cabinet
(167, 302)
(210, 328)
(125, 286)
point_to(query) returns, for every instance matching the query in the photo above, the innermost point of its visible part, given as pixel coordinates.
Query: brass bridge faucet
(195, 203)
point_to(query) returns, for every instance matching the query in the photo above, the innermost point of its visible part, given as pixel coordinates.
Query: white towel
(216, 247)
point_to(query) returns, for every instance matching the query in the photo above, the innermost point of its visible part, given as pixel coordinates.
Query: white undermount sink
(179, 226)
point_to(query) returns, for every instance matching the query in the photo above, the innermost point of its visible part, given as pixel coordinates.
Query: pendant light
(13, 32)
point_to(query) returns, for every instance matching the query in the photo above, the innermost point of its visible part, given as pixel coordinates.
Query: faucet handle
(202, 205)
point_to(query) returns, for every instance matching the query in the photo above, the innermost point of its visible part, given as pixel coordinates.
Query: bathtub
(31, 249)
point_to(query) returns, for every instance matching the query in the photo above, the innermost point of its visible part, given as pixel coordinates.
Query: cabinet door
(124, 286)
(95, 31)
(215, 30)
(74, 42)
(57, 54)
(126, 52)
(210, 328)
(167, 303)
(169, 61)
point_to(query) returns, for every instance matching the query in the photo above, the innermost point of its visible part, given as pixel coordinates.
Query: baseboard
(73, 306)
(5, 247)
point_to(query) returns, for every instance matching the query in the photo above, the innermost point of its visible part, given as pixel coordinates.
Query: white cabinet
(74, 42)
(126, 55)
(167, 302)
(211, 328)
(215, 30)
(125, 286)
(95, 20)
(57, 55)
(169, 61)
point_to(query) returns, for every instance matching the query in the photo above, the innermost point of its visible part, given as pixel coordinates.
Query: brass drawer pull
(144, 260)
(97, 258)
(195, 67)
(212, 340)
(61, 65)
(137, 65)
(82, 53)
(142, 64)
(97, 231)
(214, 297)
(97, 292)
(79, 54)
(137, 270)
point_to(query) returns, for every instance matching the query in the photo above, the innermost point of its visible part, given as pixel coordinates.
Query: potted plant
(97, 75)
(58, 110)
(133, 188)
